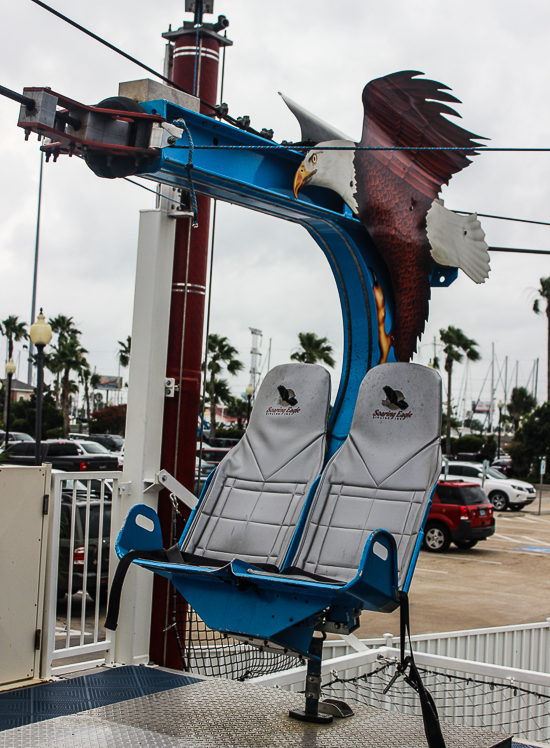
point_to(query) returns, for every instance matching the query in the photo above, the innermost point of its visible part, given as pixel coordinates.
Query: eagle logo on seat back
(395, 399)
(286, 397)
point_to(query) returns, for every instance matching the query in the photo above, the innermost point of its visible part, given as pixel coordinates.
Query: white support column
(145, 414)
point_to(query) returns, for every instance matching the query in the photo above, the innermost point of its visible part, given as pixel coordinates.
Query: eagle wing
(395, 189)
(402, 110)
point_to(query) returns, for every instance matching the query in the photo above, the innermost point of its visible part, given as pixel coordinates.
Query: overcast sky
(493, 54)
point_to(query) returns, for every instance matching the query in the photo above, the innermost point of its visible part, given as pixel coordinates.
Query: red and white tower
(192, 61)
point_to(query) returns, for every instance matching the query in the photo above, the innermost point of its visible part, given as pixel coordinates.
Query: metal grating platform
(217, 713)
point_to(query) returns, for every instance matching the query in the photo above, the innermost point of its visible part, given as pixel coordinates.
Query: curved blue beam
(262, 179)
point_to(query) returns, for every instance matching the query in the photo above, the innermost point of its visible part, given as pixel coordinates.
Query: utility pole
(506, 381)
(491, 405)
(255, 356)
(35, 274)
(191, 61)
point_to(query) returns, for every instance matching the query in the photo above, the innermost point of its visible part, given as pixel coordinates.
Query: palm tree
(220, 353)
(544, 293)
(70, 357)
(521, 403)
(95, 381)
(64, 328)
(84, 375)
(456, 346)
(124, 351)
(313, 349)
(13, 331)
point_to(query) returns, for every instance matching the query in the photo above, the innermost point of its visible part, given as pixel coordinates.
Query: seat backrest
(381, 477)
(253, 504)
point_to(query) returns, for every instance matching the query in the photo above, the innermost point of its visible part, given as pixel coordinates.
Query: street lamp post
(249, 392)
(500, 407)
(41, 334)
(10, 371)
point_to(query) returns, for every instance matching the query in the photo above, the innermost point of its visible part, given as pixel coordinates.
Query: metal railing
(84, 517)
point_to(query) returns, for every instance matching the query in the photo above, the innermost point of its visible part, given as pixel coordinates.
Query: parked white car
(503, 492)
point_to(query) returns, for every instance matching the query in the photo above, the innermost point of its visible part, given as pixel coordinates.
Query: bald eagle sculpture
(395, 193)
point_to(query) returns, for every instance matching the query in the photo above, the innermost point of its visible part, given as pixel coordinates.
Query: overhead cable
(117, 49)
(220, 111)
(465, 212)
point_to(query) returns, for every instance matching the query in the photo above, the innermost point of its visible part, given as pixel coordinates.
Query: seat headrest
(290, 409)
(398, 411)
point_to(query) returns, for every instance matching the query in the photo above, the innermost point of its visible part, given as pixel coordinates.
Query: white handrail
(97, 645)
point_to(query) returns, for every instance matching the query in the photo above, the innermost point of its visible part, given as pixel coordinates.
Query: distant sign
(479, 407)
(110, 383)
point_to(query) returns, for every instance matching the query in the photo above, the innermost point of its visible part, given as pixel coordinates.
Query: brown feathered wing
(395, 189)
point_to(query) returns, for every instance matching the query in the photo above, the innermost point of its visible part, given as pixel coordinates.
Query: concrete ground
(496, 583)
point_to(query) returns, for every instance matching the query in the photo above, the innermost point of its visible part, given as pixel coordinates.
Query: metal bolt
(171, 139)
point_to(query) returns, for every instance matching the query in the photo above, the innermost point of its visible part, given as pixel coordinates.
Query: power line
(520, 251)
(464, 212)
(502, 218)
(117, 49)
(220, 111)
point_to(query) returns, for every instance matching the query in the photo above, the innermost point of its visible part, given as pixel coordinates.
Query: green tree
(238, 408)
(543, 293)
(64, 328)
(24, 415)
(521, 403)
(220, 354)
(456, 346)
(13, 331)
(84, 375)
(108, 420)
(313, 349)
(124, 351)
(95, 380)
(65, 357)
(531, 442)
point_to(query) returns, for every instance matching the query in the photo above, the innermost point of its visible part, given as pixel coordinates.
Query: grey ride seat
(252, 505)
(381, 478)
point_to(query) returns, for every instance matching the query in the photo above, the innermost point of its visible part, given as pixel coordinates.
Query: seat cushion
(253, 504)
(381, 477)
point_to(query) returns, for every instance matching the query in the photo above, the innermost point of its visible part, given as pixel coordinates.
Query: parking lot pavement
(502, 581)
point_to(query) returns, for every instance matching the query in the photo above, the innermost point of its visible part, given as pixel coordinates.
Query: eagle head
(331, 169)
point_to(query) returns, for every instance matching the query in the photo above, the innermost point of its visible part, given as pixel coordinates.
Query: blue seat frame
(241, 599)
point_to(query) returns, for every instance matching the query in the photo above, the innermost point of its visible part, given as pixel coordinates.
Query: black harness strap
(432, 727)
(172, 556)
(115, 592)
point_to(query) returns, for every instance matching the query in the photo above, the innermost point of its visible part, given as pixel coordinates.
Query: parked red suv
(461, 514)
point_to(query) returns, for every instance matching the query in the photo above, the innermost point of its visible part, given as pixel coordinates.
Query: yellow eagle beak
(302, 177)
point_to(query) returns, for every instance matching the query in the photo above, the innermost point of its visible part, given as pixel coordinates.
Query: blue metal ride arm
(262, 179)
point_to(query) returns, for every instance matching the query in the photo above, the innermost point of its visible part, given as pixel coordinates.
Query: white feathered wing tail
(458, 241)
